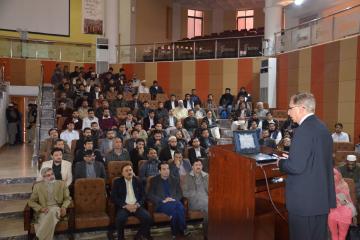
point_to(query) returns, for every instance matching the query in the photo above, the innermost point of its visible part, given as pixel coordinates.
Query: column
(176, 22)
(127, 30)
(273, 17)
(112, 27)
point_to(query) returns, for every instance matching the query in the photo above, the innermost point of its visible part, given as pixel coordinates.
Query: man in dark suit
(89, 168)
(128, 196)
(310, 191)
(150, 121)
(172, 103)
(167, 152)
(196, 151)
(155, 89)
(165, 193)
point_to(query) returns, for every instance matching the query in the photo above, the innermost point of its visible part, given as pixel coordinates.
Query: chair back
(343, 146)
(90, 195)
(114, 170)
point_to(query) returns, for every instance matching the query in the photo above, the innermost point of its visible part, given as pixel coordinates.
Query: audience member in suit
(265, 139)
(67, 156)
(74, 119)
(106, 144)
(275, 133)
(86, 134)
(188, 103)
(89, 168)
(89, 119)
(226, 101)
(254, 117)
(310, 190)
(179, 127)
(150, 121)
(107, 121)
(88, 145)
(94, 95)
(142, 133)
(203, 125)
(167, 153)
(205, 140)
(129, 197)
(47, 145)
(170, 121)
(161, 113)
(196, 189)
(122, 133)
(61, 168)
(181, 142)
(144, 111)
(194, 98)
(118, 152)
(196, 151)
(172, 103)
(137, 154)
(100, 110)
(165, 193)
(157, 142)
(179, 167)
(63, 110)
(119, 102)
(130, 144)
(49, 208)
(190, 123)
(129, 121)
(242, 113)
(150, 167)
(155, 89)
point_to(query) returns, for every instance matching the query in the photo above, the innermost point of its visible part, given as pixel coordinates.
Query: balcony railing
(212, 48)
(335, 26)
(53, 50)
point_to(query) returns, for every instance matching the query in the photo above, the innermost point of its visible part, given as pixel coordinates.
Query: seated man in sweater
(107, 121)
(150, 168)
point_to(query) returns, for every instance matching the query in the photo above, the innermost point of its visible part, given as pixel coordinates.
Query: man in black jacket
(172, 103)
(128, 196)
(310, 191)
(89, 168)
(226, 101)
(196, 151)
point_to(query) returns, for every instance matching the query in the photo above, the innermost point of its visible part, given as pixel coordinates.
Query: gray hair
(306, 99)
(45, 170)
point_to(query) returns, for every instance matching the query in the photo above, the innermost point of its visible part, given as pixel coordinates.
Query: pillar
(273, 17)
(112, 27)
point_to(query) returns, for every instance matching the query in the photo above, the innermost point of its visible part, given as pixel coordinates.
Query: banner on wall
(93, 16)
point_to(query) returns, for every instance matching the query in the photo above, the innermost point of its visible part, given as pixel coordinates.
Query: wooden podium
(239, 206)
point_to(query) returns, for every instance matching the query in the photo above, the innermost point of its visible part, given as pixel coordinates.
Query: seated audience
(88, 146)
(150, 168)
(111, 94)
(142, 133)
(165, 193)
(83, 109)
(212, 125)
(172, 103)
(89, 168)
(242, 111)
(89, 119)
(122, 133)
(351, 169)
(118, 152)
(180, 111)
(194, 98)
(339, 135)
(129, 197)
(100, 110)
(74, 119)
(129, 121)
(155, 89)
(161, 113)
(196, 190)
(150, 120)
(181, 142)
(210, 104)
(340, 218)
(135, 104)
(188, 103)
(167, 153)
(61, 168)
(196, 151)
(49, 199)
(285, 144)
(275, 133)
(269, 119)
(137, 154)
(260, 111)
(157, 142)
(170, 121)
(63, 110)
(254, 117)
(265, 139)
(205, 140)
(107, 121)
(179, 167)
(67, 156)
(143, 88)
(245, 94)
(144, 111)
(226, 102)
(179, 127)
(119, 102)
(69, 134)
(190, 122)
(106, 144)
(130, 144)
(86, 135)
(47, 145)
(199, 112)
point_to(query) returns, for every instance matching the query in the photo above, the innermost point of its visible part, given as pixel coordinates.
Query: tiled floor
(15, 161)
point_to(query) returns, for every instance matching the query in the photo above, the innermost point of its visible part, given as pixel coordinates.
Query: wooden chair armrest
(28, 214)
(150, 206)
(70, 211)
(185, 202)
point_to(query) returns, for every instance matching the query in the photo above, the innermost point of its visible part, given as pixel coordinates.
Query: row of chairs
(92, 209)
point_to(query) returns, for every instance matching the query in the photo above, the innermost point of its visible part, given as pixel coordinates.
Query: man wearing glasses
(50, 199)
(310, 191)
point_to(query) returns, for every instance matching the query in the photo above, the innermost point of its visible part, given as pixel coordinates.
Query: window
(245, 19)
(195, 23)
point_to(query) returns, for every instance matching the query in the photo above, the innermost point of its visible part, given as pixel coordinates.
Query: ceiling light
(298, 2)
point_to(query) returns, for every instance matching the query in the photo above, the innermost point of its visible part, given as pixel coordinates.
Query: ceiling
(221, 4)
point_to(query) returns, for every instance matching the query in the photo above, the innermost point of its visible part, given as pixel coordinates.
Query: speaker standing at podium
(310, 191)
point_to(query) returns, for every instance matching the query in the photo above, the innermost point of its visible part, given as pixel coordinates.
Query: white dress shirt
(68, 136)
(87, 122)
(130, 195)
(341, 137)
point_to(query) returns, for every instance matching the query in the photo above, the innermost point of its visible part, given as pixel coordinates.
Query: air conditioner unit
(102, 55)
(268, 82)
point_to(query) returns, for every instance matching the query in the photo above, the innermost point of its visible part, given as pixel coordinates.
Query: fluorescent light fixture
(298, 2)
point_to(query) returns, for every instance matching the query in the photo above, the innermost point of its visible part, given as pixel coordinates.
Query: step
(17, 180)
(224, 141)
(226, 133)
(224, 123)
(15, 191)
(12, 228)
(12, 208)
